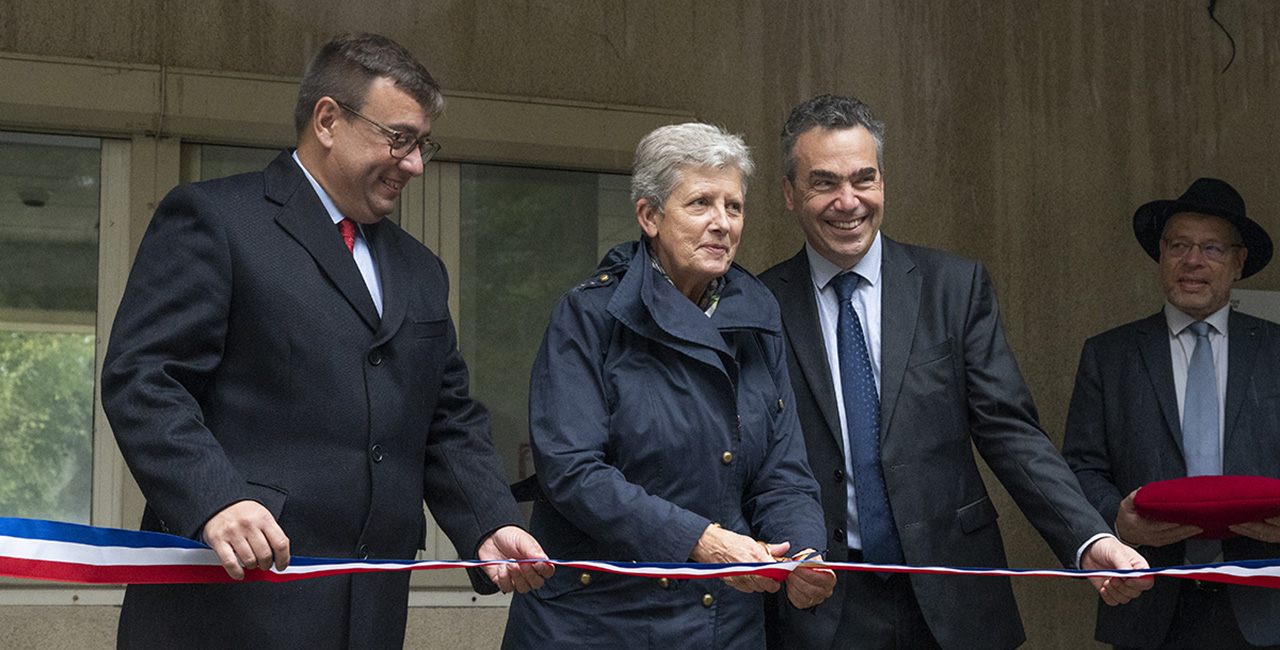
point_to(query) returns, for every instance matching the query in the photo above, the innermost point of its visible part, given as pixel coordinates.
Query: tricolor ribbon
(62, 552)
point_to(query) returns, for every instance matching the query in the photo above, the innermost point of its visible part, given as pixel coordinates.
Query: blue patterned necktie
(880, 544)
(1200, 445)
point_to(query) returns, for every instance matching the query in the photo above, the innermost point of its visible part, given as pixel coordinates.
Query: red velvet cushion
(1210, 502)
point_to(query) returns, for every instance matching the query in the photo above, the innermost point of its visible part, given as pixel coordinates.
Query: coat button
(363, 552)
(585, 578)
(375, 358)
(780, 407)
(664, 583)
(726, 457)
(377, 453)
(838, 475)
(707, 600)
(604, 277)
(838, 535)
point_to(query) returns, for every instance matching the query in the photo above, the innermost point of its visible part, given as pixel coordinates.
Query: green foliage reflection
(46, 425)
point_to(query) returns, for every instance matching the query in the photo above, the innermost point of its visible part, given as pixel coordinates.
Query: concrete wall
(1021, 133)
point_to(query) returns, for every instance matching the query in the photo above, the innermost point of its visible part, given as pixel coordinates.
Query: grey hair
(662, 156)
(829, 112)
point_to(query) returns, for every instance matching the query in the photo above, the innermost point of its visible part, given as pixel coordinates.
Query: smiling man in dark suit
(283, 378)
(900, 366)
(1191, 390)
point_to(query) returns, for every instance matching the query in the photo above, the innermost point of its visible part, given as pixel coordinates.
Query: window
(49, 207)
(527, 236)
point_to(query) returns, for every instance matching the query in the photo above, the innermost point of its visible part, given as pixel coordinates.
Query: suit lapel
(1154, 343)
(1242, 349)
(804, 333)
(305, 219)
(393, 269)
(899, 308)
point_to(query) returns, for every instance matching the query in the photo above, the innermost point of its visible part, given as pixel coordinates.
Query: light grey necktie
(1200, 445)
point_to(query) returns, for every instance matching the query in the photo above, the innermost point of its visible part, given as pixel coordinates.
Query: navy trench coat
(649, 421)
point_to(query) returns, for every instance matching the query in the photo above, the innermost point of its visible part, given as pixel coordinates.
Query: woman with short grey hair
(662, 424)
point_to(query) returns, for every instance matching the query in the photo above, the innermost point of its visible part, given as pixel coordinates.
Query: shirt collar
(1179, 320)
(823, 269)
(324, 196)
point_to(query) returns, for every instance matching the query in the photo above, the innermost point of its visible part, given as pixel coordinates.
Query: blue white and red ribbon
(62, 552)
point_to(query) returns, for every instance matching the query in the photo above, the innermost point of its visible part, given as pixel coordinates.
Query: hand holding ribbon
(809, 585)
(512, 543)
(1109, 553)
(720, 546)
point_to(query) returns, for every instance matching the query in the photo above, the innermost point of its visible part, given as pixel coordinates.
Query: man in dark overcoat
(283, 378)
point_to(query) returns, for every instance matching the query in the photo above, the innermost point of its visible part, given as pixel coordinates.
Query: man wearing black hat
(1192, 390)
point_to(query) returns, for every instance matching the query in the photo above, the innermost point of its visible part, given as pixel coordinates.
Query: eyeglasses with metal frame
(401, 143)
(1213, 251)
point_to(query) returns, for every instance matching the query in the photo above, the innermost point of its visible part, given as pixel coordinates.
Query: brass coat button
(726, 457)
(604, 277)
(707, 600)
(585, 578)
(664, 583)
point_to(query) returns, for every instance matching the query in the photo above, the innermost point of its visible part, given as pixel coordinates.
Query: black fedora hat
(1205, 196)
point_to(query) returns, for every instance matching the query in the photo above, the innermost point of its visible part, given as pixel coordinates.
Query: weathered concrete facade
(1020, 133)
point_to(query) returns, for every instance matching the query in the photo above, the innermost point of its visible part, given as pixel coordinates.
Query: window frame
(144, 114)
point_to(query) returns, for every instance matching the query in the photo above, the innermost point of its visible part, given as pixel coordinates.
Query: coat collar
(1153, 342)
(1242, 352)
(804, 334)
(899, 310)
(649, 305)
(304, 217)
(388, 241)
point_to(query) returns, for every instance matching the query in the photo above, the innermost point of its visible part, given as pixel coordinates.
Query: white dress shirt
(361, 252)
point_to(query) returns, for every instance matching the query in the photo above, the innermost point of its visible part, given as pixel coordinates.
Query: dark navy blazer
(1124, 431)
(949, 384)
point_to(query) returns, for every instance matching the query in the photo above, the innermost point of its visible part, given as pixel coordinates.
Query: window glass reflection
(49, 215)
(527, 236)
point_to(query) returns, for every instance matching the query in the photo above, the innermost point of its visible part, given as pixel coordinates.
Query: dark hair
(346, 65)
(829, 112)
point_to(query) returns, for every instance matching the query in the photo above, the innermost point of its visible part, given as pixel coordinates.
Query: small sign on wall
(1263, 304)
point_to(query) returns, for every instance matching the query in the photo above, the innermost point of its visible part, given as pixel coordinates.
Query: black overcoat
(247, 361)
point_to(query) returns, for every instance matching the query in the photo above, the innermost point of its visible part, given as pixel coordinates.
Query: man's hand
(512, 543)
(720, 546)
(244, 534)
(808, 586)
(1267, 530)
(1139, 531)
(1109, 553)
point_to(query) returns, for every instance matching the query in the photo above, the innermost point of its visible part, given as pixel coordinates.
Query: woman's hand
(720, 546)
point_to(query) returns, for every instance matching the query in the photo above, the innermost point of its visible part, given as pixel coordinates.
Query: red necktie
(348, 229)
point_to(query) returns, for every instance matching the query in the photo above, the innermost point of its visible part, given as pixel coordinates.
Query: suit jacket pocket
(930, 354)
(976, 515)
(270, 496)
(425, 329)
